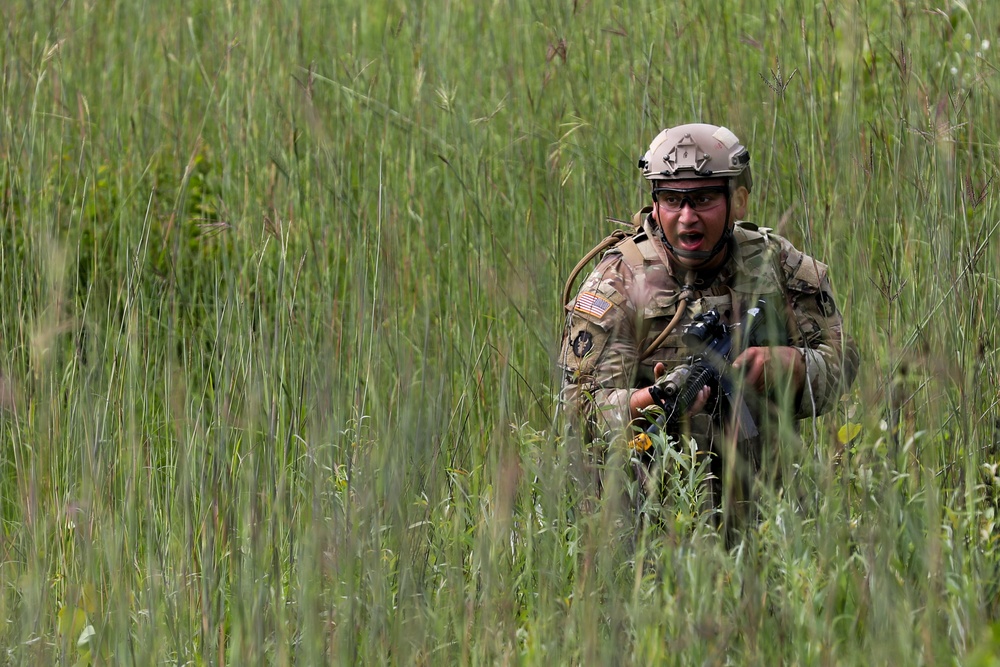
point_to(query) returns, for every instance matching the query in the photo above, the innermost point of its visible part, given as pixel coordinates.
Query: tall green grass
(279, 312)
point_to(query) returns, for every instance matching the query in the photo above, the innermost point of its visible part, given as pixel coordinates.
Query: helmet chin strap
(701, 256)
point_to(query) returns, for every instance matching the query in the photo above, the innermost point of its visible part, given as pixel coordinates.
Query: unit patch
(592, 303)
(583, 343)
(825, 304)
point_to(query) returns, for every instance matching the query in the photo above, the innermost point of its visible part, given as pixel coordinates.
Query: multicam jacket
(632, 294)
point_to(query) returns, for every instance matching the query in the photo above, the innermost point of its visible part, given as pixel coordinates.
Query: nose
(686, 214)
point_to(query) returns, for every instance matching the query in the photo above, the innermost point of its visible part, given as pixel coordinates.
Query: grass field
(279, 309)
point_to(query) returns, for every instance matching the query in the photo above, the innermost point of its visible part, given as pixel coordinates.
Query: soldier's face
(695, 220)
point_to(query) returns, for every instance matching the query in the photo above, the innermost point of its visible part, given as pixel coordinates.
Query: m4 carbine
(711, 340)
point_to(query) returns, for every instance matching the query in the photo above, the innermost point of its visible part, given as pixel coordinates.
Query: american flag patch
(592, 304)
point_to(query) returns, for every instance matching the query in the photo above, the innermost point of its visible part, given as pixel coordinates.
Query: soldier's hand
(640, 399)
(700, 401)
(761, 365)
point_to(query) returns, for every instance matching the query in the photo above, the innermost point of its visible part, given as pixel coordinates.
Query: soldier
(690, 255)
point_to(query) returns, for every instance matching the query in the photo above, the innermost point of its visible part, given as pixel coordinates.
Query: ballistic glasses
(699, 199)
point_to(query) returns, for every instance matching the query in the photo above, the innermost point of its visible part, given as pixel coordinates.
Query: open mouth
(690, 240)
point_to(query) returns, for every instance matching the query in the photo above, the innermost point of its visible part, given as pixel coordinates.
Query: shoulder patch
(593, 304)
(582, 343)
(826, 304)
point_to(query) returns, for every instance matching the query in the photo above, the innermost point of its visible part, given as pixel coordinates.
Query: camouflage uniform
(631, 296)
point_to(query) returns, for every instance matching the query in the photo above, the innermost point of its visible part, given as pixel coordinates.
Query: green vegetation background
(279, 306)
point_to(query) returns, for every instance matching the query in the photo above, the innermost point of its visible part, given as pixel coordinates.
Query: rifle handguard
(673, 393)
(676, 399)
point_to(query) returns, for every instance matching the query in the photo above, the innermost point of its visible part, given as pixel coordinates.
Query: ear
(738, 203)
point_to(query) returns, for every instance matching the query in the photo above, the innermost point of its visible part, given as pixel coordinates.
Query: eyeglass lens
(698, 200)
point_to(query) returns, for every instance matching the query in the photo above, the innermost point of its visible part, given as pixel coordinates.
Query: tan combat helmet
(694, 151)
(697, 150)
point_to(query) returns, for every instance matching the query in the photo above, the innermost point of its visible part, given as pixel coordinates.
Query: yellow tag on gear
(641, 443)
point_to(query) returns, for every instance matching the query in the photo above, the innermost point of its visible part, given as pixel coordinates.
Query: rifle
(711, 340)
